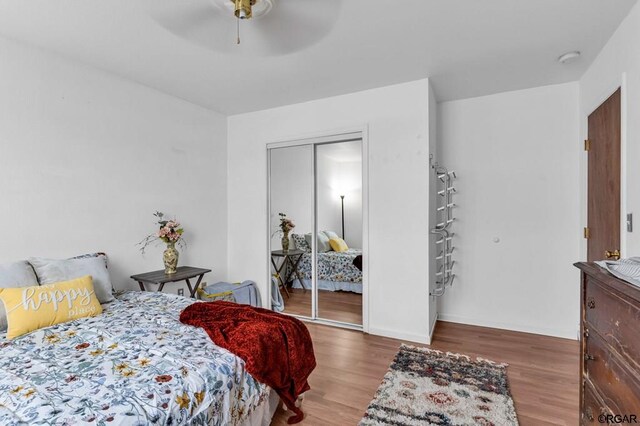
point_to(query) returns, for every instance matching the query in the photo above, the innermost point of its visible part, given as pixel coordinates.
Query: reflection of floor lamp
(342, 202)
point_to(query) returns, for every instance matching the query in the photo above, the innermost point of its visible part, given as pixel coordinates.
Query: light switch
(629, 222)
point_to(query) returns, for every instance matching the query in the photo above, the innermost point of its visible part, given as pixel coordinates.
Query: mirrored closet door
(291, 215)
(339, 220)
(316, 189)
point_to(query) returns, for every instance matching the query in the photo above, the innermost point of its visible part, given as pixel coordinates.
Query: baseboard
(411, 337)
(433, 327)
(553, 332)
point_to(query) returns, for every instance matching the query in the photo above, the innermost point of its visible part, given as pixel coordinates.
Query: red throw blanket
(277, 349)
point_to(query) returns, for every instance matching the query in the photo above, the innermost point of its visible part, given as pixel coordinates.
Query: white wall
(291, 190)
(618, 65)
(516, 156)
(86, 158)
(338, 175)
(397, 119)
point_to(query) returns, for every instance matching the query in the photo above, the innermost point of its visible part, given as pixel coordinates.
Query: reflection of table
(290, 261)
(184, 273)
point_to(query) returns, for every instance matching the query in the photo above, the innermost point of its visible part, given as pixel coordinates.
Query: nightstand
(184, 273)
(290, 262)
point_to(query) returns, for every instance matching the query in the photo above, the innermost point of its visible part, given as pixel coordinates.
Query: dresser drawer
(592, 406)
(615, 381)
(616, 318)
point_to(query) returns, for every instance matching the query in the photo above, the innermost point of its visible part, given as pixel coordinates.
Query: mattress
(133, 364)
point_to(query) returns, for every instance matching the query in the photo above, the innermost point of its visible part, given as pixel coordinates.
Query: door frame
(611, 88)
(318, 138)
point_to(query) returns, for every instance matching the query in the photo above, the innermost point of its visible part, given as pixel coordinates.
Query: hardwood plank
(342, 306)
(543, 372)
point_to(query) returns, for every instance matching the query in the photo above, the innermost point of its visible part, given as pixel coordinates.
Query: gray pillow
(51, 271)
(323, 245)
(14, 275)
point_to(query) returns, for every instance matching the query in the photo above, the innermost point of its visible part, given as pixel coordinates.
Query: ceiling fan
(268, 27)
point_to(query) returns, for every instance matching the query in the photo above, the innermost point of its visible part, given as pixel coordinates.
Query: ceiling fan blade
(209, 24)
(180, 16)
(198, 21)
(309, 20)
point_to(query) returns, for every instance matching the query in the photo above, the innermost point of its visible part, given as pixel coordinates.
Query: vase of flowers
(170, 233)
(286, 225)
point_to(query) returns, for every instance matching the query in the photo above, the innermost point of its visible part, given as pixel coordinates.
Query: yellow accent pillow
(32, 308)
(338, 244)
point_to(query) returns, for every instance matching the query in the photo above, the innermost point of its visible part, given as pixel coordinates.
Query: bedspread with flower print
(333, 266)
(135, 364)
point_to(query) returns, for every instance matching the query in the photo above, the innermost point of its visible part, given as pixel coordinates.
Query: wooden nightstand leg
(189, 286)
(161, 287)
(195, 289)
(284, 287)
(296, 274)
(141, 285)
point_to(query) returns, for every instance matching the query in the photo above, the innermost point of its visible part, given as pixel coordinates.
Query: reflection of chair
(288, 267)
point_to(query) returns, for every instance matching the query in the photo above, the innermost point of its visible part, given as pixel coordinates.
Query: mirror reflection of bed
(339, 281)
(334, 171)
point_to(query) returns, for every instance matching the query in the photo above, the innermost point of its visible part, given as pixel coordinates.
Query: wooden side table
(184, 273)
(291, 258)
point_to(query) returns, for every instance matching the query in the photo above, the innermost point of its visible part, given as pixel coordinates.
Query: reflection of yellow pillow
(338, 244)
(31, 308)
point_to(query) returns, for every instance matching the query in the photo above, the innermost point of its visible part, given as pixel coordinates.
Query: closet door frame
(328, 137)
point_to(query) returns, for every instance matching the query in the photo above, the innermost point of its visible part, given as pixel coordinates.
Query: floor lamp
(342, 203)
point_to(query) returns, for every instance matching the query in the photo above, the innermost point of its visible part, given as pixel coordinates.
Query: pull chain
(238, 30)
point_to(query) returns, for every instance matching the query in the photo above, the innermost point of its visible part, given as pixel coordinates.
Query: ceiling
(467, 47)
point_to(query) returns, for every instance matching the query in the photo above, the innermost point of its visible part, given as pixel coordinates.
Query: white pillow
(323, 245)
(14, 275)
(331, 235)
(51, 271)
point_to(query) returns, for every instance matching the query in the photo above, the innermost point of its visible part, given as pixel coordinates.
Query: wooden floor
(543, 372)
(342, 306)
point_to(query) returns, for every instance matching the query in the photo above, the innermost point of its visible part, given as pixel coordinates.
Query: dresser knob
(591, 303)
(588, 357)
(586, 332)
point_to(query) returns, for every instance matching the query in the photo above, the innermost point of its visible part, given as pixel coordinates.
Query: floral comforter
(333, 266)
(135, 364)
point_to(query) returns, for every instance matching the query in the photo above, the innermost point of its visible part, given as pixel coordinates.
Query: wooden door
(604, 179)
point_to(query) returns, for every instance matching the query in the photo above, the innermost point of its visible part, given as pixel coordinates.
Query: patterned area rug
(428, 387)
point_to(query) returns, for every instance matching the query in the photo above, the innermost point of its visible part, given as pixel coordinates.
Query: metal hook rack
(444, 220)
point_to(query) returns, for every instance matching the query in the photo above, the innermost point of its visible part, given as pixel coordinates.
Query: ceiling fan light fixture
(242, 8)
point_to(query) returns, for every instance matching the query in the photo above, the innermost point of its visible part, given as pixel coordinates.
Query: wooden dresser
(610, 346)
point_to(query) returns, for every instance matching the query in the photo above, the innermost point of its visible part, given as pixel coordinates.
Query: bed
(134, 364)
(336, 271)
